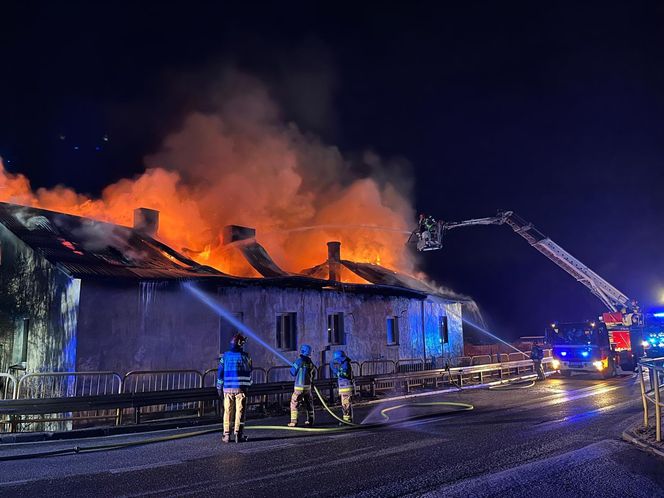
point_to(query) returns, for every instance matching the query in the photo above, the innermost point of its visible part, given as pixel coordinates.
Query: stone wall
(32, 289)
(147, 326)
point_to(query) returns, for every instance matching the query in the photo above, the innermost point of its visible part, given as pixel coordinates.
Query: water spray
(339, 227)
(484, 331)
(217, 308)
(222, 312)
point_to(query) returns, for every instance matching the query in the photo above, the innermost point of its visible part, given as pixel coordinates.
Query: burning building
(83, 295)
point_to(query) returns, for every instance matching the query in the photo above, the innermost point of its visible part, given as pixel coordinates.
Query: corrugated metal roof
(257, 256)
(87, 248)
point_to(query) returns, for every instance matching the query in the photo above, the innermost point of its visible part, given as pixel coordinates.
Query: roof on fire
(86, 248)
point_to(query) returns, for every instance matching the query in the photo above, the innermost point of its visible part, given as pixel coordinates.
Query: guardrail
(68, 384)
(7, 391)
(151, 396)
(7, 386)
(142, 381)
(655, 368)
(50, 385)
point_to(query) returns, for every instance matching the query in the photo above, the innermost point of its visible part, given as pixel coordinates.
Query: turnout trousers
(302, 396)
(235, 404)
(346, 395)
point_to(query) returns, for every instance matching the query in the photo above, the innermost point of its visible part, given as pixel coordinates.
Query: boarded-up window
(287, 331)
(227, 330)
(392, 330)
(442, 327)
(335, 328)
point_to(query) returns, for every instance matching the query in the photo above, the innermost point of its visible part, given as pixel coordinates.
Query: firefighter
(304, 372)
(343, 371)
(233, 381)
(537, 355)
(426, 223)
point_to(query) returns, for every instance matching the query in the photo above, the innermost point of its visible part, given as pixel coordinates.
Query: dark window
(21, 343)
(287, 331)
(228, 330)
(442, 327)
(392, 330)
(335, 328)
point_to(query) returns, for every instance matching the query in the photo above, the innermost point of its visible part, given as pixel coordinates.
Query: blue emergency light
(585, 354)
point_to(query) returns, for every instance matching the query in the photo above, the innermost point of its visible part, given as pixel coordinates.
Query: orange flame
(243, 166)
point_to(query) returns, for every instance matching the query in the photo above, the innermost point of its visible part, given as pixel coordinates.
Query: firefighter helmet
(305, 350)
(339, 355)
(238, 340)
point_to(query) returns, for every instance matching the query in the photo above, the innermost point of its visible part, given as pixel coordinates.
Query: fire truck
(614, 339)
(653, 334)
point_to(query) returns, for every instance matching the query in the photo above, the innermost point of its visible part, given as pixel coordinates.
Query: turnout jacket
(343, 371)
(304, 371)
(234, 372)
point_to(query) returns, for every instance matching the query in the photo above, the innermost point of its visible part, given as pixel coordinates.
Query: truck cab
(653, 334)
(582, 347)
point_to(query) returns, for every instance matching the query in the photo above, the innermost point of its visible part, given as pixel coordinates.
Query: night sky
(552, 109)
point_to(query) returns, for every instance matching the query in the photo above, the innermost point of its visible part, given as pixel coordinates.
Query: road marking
(18, 483)
(260, 449)
(147, 466)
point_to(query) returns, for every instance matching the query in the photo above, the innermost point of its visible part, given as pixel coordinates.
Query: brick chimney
(146, 221)
(334, 260)
(235, 233)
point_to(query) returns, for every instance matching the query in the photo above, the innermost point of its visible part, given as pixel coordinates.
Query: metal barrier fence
(7, 386)
(141, 381)
(258, 376)
(68, 384)
(655, 369)
(90, 389)
(46, 385)
(484, 359)
(7, 391)
(377, 367)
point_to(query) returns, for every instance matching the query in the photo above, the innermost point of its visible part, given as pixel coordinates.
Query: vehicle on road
(585, 347)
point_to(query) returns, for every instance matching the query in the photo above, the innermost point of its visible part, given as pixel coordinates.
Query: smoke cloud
(244, 164)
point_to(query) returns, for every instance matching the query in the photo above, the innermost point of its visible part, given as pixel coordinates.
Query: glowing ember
(70, 246)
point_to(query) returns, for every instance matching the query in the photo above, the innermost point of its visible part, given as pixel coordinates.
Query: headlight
(555, 364)
(598, 365)
(645, 344)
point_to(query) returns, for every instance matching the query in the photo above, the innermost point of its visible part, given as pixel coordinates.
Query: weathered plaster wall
(146, 326)
(32, 288)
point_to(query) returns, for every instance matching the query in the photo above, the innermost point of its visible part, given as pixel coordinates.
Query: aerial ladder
(429, 237)
(624, 321)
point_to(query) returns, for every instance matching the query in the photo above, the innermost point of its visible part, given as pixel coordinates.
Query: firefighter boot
(226, 438)
(240, 438)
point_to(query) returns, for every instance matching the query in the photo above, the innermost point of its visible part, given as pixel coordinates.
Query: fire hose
(347, 426)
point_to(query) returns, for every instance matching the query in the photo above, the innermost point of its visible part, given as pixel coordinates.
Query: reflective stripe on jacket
(234, 370)
(303, 370)
(343, 371)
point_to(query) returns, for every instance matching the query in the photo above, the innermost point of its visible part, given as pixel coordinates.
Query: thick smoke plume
(243, 164)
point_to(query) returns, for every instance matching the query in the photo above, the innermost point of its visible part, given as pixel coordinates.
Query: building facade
(81, 295)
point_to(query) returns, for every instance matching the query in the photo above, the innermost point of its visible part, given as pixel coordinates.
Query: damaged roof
(86, 248)
(379, 275)
(82, 247)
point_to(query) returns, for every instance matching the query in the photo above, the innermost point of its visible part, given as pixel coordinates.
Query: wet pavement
(558, 438)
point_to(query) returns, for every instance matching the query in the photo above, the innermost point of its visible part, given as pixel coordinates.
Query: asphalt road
(560, 438)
